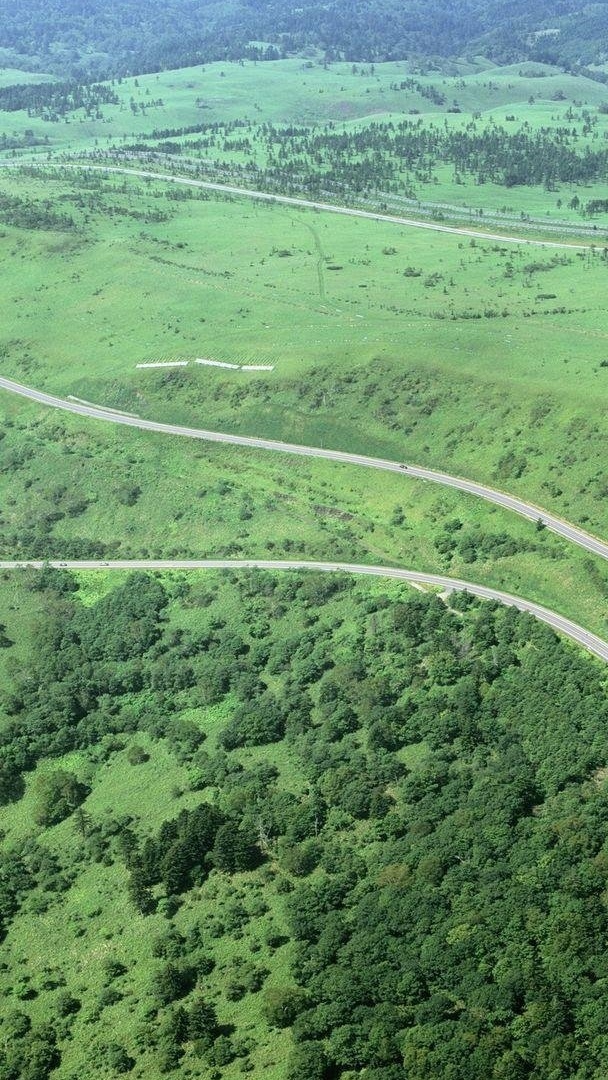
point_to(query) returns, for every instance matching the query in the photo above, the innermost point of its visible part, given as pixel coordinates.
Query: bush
(136, 755)
(307, 1062)
(282, 1004)
(59, 793)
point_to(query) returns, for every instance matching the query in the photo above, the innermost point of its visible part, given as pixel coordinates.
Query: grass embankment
(482, 359)
(508, 338)
(77, 488)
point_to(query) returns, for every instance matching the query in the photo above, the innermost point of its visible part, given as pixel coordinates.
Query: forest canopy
(409, 794)
(94, 39)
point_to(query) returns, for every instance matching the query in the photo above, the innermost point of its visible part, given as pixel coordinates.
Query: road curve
(565, 529)
(591, 642)
(304, 204)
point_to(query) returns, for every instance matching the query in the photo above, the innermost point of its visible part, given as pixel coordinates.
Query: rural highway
(591, 642)
(303, 204)
(310, 204)
(534, 513)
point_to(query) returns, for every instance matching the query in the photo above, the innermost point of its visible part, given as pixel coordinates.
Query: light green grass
(310, 93)
(16, 77)
(474, 320)
(193, 497)
(530, 383)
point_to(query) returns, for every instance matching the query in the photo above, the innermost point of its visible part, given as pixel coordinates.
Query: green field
(533, 98)
(378, 761)
(384, 340)
(508, 337)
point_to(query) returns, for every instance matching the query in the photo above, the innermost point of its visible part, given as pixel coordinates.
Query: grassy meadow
(74, 489)
(486, 359)
(383, 339)
(310, 93)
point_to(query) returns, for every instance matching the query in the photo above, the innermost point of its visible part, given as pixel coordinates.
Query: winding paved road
(591, 642)
(304, 204)
(563, 528)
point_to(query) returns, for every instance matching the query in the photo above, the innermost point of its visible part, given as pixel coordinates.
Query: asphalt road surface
(509, 502)
(309, 204)
(591, 642)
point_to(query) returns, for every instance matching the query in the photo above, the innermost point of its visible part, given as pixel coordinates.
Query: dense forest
(435, 878)
(92, 39)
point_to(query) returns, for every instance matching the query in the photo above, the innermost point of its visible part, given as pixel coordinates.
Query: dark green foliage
(179, 855)
(441, 839)
(307, 1061)
(59, 793)
(52, 100)
(222, 1052)
(128, 493)
(26, 868)
(412, 941)
(233, 850)
(31, 1056)
(258, 722)
(117, 1058)
(113, 969)
(202, 1025)
(83, 655)
(29, 214)
(93, 41)
(139, 892)
(282, 1004)
(173, 981)
(301, 859)
(125, 623)
(136, 755)
(66, 1004)
(363, 160)
(11, 783)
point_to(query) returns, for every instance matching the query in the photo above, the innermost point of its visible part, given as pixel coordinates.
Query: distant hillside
(89, 38)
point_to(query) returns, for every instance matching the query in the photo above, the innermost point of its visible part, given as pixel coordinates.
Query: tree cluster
(440, 863)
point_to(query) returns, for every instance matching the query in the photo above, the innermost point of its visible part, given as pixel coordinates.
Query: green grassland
(481, 358)
(483, 345)
(385, 340)
(290, 91)
(307, 92)
(69, 488)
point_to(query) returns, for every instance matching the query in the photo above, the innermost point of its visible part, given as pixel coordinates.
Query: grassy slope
(211, 501)
(303, 92)
(494, 376)
(481, 382)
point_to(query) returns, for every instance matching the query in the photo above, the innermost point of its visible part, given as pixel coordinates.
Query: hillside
(294, 827)
(304, 352)
(68, 37)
